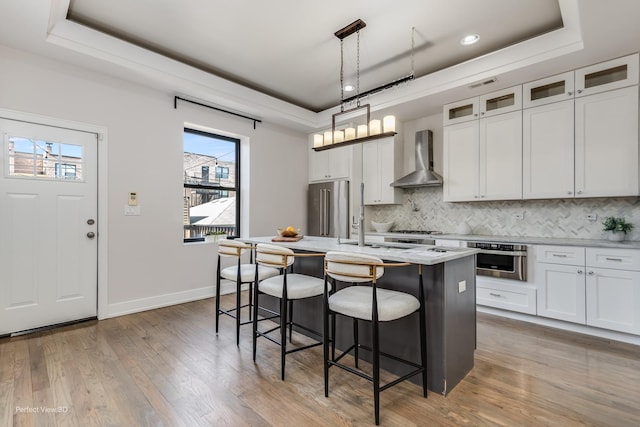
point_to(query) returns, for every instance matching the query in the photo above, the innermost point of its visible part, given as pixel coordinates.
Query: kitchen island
(449, 280)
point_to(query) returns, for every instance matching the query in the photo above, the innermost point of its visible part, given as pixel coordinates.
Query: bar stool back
(373, 304)
(240, 273)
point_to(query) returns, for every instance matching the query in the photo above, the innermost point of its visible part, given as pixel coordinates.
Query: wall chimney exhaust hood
(424, 175)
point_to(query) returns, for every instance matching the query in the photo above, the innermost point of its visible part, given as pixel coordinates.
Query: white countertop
(602, 243)
(417, 254)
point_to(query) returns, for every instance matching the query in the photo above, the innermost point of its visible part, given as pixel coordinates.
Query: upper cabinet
(605, 76)
(461, 111)
(606, 144)
(329, 164)
(380, 167)
(548, 90)
(501, 101)
(483, 157)
(579, 134)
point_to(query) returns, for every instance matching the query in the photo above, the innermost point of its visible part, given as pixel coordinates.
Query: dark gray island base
(451, 312)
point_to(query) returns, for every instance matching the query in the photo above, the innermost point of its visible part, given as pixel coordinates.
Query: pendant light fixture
(373, 129)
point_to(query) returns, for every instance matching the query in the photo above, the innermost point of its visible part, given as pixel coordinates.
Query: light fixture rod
(379, 88)
(350, 29)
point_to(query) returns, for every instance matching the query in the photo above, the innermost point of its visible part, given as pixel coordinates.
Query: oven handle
(508, 253)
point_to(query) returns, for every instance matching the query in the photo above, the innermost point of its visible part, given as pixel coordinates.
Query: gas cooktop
(416, 231)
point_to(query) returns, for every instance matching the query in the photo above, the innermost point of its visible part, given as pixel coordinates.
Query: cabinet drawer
(520, 298)
(619, 259)
(570, 255)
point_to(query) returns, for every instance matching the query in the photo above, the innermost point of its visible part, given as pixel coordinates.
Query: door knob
(91, 234)
(91, 221)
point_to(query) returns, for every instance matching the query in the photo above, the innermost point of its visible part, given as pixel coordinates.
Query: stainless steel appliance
(503, 260)
(424, 175)
(328, 209)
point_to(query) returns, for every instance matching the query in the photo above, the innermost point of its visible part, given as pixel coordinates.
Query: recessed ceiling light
(349, 88)
(469, 39)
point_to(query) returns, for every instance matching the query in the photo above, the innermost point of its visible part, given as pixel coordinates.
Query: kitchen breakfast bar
(449, 281)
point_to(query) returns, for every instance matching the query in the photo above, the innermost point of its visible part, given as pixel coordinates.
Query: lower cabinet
(506, 294)
(561, 292)
(613, 299)
(594, 286)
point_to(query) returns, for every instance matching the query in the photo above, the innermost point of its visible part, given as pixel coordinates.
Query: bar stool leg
(283, 334)
(218, 296)
(255, 314)
(291, 321)
(376, 370)
(238, 309)
(355, 340)
(325, 339)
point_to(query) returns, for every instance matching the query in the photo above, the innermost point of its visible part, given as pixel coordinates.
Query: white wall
(148, 264)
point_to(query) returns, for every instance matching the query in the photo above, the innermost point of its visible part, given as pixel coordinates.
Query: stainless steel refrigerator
(328, 209)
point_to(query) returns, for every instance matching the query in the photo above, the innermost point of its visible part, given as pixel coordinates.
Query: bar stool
(287, 287)
(372, 304)
(240, 273)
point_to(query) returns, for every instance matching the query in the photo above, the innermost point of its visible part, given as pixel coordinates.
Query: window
(31, 158)
(211, 203)
(222, 172)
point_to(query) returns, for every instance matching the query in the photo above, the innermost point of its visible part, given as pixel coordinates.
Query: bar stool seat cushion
(357, 301)
(298, 286)
(248, 272)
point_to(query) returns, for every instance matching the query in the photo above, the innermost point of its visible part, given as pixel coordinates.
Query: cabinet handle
(579, 90)
(579, 191)
(493, 294)
(613, 259)
(591, 273)
(579, 271)
(475, 115)
(569, 93)
(559, 255)
(569, 192)
(482, 114)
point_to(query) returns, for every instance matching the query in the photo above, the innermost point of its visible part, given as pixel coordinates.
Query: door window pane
(30, 158)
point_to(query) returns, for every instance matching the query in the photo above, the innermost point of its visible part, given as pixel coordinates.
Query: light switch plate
(131, 210)
(132, 199)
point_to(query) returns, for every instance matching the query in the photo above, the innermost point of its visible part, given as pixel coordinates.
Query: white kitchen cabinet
(550, 89)
(461, 157)
(506, 294)
(561, 292)
(483, 159)
(560, 281)
(606, 144)
(500, 102)
(461, 111)
(330, 164)
(594, 286)
(501, 156)
(613, 289)
(380, 167)
(605, 76)
(548, 151)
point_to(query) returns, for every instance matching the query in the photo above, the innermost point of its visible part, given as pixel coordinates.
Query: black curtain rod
(175, 105)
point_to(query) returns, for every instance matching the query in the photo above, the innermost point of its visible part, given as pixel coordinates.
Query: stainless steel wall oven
(501, 260)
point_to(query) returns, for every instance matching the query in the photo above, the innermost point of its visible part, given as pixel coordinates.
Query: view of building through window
(211, 185)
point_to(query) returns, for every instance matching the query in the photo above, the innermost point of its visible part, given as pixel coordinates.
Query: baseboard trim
(165, 300)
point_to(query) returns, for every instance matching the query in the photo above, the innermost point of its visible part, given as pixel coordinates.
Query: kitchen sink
(379, 245)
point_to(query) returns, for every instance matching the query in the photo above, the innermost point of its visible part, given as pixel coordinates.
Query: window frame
(217, 187)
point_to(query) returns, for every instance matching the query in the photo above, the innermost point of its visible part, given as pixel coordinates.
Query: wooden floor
(167, 367)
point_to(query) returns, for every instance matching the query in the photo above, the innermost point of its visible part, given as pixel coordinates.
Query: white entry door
(48, 225)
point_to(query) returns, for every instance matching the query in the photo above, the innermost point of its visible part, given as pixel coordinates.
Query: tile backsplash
(560, 218)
